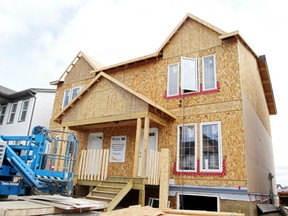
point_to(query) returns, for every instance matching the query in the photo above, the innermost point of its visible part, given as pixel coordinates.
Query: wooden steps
(111, 190)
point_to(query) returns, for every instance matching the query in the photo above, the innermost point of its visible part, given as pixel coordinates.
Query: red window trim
(201, 92)
(199, 173)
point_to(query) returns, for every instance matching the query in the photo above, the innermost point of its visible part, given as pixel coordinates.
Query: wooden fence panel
(93, 164)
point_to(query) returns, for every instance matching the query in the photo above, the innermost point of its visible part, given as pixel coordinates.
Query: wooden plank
(164, 178)
(106, 164)
(145, 144)
(80, 168)
(100, 164)
(106, 119)
(84, 165)
(137, 147)
(12, 208)
(157, 119)
(65, 203)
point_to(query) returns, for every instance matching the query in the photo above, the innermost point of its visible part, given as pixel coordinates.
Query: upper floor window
(75, 92)
(184, 77)
(24, 110)
(173, 80)
(209, 73)
(70, 94)
(2, 113)
(211, 147)
(186, 148)
(189, 75)
(12, 113)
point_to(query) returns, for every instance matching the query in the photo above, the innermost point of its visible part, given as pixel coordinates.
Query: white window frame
(2, 115)
(202, 169)
(178, 148)
(70, 96)
(67, 94)
(23, 110)
(188, 74)
(9, 121)
(214, 72)
(73, 96)
(169, 80)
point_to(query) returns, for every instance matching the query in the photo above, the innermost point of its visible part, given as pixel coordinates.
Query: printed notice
(117, 149)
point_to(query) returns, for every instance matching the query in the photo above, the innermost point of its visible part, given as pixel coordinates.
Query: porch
(112, 189)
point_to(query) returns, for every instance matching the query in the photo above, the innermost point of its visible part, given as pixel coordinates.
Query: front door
(152, 144)
(95, 141)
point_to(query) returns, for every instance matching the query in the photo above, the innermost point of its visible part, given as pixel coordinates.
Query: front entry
(152, 145)
(95, 141)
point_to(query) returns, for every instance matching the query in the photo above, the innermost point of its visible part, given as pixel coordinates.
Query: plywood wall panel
(80, 71)
(252, 86)
(107, 99)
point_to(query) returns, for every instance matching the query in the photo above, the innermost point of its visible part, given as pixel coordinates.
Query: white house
(21, 111)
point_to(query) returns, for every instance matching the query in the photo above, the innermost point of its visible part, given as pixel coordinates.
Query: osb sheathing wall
(251, 85)
(104, 99)
(150, 79)
(79, 75)
(258, 143)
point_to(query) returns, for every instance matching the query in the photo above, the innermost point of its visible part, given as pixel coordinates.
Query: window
(173, 80)
(66, 97)
(70, 94)
(211, 152)
(12, 113)
(2, 113)
(209, 72)
(75, 92)
(24, 110)
(189, 75)
(186, 152)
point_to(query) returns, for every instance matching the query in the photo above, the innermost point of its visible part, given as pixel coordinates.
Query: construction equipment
(42, 162)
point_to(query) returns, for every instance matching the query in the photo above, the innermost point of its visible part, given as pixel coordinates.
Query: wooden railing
(154, 167)
(93, 164)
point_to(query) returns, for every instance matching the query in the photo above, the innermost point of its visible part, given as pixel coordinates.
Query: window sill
(201, 92)
(201, 173)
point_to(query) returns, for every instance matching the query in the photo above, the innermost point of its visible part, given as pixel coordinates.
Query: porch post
(164, 178)
(145, 143)
(137, 147)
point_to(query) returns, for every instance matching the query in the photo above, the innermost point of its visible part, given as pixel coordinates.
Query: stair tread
(108, 192)
(110, 186)
(99, 197)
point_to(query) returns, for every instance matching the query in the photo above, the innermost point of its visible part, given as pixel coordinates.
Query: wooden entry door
(152, 144)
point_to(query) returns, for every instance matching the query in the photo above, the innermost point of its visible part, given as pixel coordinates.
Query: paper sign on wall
(117, 149)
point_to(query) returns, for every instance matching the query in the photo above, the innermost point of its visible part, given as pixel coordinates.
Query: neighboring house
(21, 111)
(204, 94)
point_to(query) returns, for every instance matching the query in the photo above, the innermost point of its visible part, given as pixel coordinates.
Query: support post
(137, 147)
(164, 177)
(142, 197)
(145, 144)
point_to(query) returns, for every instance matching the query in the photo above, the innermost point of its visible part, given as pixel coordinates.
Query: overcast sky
(40, 38)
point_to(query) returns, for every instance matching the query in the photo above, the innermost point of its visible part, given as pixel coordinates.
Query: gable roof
(92, 62)
(158, 53)
(118, 83)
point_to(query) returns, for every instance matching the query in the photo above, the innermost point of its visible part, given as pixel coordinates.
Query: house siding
(42, 110)
(17, 127)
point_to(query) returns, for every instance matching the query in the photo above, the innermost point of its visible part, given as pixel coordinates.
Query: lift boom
(43, 161)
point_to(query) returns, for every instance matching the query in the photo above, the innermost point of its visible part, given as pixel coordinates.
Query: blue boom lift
(41, 162)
